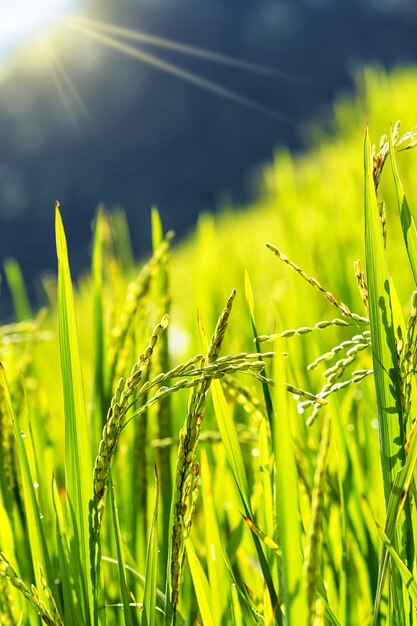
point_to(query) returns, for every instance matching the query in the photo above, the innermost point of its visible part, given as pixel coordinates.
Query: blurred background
(172, 103)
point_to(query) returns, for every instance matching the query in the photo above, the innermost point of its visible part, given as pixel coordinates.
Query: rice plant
(151, 475)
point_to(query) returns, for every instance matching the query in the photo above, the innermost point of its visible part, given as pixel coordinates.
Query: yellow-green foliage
(258, 551)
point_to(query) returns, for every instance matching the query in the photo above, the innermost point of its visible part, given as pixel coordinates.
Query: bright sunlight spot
(20, 20)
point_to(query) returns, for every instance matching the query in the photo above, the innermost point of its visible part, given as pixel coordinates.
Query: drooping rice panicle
(246, 435)
(243, 396)
(51, 600)
(314, 283)
(296, 391)
(362, 340)
(30, 593)
(337, 370)
(187, 467)
(304, 330)
(328, 389)
(311, 567)
(136, 292)
(407, 141)
(409, 359)
(8, 615)
(194, 378)
(361, 281)
(116, 416)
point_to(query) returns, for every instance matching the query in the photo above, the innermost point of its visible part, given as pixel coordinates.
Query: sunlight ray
(65, 79)
(194, 51)
(183, 74)
(59, 85)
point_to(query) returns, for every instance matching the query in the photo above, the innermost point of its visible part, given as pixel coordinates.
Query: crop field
(224, 433)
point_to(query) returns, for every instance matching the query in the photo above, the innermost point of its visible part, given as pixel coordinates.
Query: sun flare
(21, 20)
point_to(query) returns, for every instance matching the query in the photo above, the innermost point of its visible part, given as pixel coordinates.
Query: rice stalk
(187, 466)
(311, 567)
(315, 283)
(115, 418)
(161, 363)
(136, 292)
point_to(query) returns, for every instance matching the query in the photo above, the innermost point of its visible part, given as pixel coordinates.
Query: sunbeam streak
(183, 74)
(58, 82)
(72, 89)
(194, 51)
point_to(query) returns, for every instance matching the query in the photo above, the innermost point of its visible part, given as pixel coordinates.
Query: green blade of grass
(287, 504)
(160, 595)
(407, 577)
(386, 375)
(216, 567)
(407, 219)
(127, 609)
(17, 288)
(69, 580)
(99, 400)
(235, 459)
(265, 388)
(37, 541)
(162, 364)
(78, 468)
(151, 568)
(396, 504)
(201, 586)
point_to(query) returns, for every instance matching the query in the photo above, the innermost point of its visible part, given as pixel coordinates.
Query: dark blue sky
(136, 136)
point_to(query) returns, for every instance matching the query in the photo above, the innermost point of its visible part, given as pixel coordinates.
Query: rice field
(224, 433)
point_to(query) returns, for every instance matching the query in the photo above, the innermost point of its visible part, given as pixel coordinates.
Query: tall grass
(151, 475)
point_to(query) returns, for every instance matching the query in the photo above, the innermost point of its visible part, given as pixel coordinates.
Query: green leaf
(151, 569)
(386, 374)
(17, 288)
(69, 579)
(407, 577)
(287, 503)
(100, 401)
(407, 220)
(217, 571)
(78, 467)
(37, 540)
(201, 586)
(127, 614)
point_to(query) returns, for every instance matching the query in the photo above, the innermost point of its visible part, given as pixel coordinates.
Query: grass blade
(17, 288)
(78, 468)
(151, 570)
(37, 541)
(127, 611)
(201, 586)
(287, 503)
(386, 374)
(407, 219)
